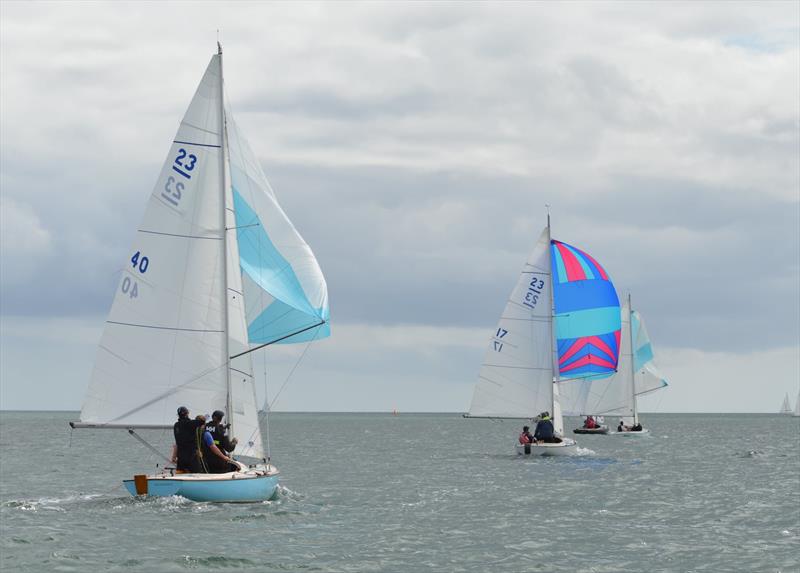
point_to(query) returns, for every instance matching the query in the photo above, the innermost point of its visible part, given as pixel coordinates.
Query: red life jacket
(524, 439)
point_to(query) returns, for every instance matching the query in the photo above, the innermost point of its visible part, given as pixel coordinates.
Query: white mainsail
(164, 341)
(786, 407)
(516, 378)
(217, 270)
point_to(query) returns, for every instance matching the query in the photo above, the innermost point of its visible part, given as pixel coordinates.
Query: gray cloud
(414, 146)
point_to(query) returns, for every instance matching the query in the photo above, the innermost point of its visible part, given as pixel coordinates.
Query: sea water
(416, 492)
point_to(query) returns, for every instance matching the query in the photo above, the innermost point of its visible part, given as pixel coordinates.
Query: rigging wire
(296, 364)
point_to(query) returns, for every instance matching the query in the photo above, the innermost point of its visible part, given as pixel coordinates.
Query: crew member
(525, 437)
(185, 452)
(218, 431)
(212, 459)
(545, 432)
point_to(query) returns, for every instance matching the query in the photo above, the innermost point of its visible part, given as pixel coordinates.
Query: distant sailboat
(786, 407)
(797, 406)
(561, 321)
(217, 271)
(617, 395)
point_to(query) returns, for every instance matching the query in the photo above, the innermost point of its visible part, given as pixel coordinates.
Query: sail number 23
(534, 290)
(183, 165)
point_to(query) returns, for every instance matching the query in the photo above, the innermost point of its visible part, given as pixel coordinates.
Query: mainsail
(216, 268)
(516, 377)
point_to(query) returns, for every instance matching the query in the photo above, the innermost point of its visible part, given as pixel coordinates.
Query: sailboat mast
(553, 346)
(224, 217)
(633, 366)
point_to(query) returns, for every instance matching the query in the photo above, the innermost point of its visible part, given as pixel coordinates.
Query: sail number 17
(498, 343)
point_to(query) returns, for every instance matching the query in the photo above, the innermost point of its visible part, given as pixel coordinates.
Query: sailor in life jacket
(525, 437)
(212, 459)
(184, 452)
(217, 430)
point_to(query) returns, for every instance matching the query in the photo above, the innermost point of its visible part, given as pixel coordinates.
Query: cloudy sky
(415, 147)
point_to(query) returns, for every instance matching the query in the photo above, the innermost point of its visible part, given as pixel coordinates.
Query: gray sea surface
(416, 492)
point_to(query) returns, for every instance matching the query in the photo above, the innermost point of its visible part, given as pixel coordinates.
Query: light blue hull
(250, 489)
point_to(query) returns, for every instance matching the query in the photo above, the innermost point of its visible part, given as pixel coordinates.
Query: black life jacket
(217, 431)
(211, 462)
(184, 431)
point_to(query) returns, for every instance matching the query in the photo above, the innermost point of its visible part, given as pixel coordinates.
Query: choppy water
(365, 492)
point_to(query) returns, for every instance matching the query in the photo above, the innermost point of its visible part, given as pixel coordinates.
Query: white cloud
(414, 146)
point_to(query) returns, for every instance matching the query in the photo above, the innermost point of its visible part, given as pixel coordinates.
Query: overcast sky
(415, 146)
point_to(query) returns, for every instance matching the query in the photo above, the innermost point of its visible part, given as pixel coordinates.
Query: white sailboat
(797, 406)
(522, 365)
(216, 272)
(636, 375)
(786, 407)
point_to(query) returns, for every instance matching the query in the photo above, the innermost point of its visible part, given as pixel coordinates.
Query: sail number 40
(140, 263)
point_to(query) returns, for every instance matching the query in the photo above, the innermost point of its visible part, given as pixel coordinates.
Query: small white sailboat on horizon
(796, 412)
(216, 272)
(540, 338)
(786, 407)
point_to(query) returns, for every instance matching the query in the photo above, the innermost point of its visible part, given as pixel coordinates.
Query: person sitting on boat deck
(217, 430)
(545, 432)
(184, 452)
(212, 459)
(622, 427)
(590, 424)
(525, 437)
(637, 427)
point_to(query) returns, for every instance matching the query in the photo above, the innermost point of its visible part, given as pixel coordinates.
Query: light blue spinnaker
(647, 378)
(286, 294)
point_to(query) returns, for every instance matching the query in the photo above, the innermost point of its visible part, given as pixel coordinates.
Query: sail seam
(515, 367)
(193, 143)
(180, 236)
(161, 327)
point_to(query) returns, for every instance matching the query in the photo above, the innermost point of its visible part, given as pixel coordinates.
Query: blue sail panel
(587, 314)
(278, 321)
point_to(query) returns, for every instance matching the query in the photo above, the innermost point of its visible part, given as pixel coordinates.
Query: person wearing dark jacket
(218, 431)
(545, 432)
(184, 452)
(212, 459)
